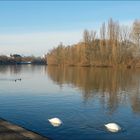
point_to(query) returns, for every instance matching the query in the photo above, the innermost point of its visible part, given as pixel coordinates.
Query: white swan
(55, 122)
(113, 127)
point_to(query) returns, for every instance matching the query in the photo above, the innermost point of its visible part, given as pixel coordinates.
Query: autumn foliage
(113, 45)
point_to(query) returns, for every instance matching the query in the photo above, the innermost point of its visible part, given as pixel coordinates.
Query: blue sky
(33, 27)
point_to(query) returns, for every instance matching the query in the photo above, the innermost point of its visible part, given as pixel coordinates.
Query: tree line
(18, 59)
(113, 45)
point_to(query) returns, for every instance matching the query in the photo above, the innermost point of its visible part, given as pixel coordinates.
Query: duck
(113, 127)
(55, 122)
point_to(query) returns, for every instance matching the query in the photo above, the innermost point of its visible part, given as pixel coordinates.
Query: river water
(83, 98)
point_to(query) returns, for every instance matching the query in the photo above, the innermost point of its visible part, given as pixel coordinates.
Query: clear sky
(34, 27)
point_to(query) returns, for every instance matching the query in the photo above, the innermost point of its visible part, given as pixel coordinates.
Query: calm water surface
(83, 98)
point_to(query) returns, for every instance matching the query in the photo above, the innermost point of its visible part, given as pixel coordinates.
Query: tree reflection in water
(112, 86)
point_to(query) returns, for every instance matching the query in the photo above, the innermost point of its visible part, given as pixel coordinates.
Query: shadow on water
(113, 86)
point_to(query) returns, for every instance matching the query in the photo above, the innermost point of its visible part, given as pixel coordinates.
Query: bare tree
(115, 46)
(136, 32)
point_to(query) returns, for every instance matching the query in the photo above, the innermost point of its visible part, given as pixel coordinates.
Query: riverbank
(9, 131)
(97, 66)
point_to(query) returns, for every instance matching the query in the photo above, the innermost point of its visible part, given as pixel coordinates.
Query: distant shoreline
(12, 64)
(96, 66)
(17, 59)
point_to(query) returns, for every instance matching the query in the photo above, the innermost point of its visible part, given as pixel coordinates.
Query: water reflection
(13, 69)
(112, 86)
(83, 98)
(17, 69)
